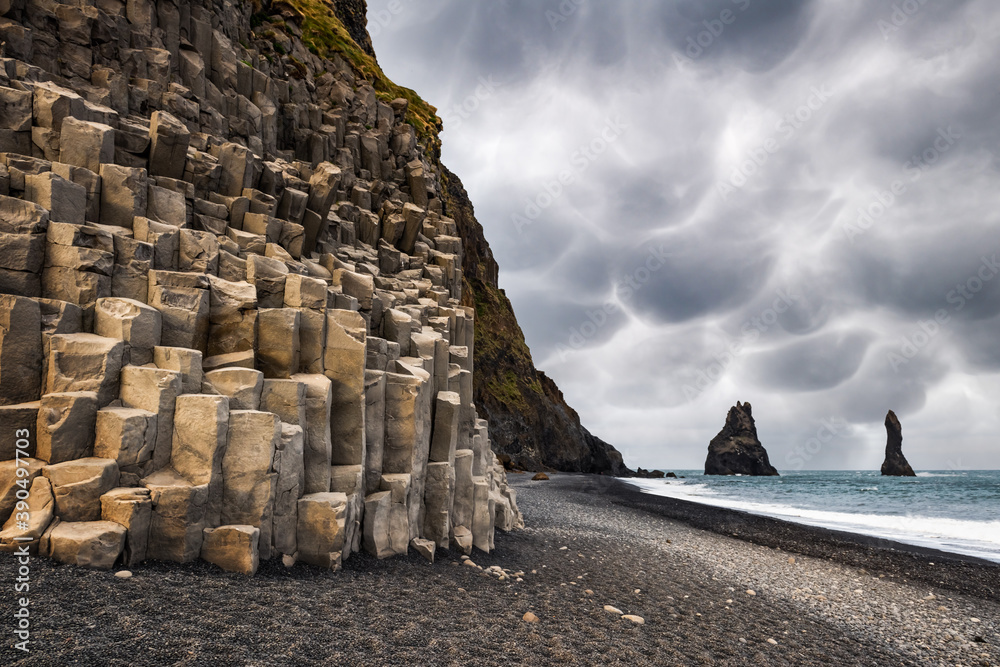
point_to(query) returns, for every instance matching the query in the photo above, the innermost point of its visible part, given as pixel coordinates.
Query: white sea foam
(972, 538)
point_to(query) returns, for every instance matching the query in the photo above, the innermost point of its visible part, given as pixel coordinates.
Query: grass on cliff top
(324, 34)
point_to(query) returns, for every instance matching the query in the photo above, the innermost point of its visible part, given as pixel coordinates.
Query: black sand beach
(773, 594)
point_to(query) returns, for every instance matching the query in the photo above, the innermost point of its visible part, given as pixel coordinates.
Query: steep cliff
(231, 319)
(354, 15)
(531, 424)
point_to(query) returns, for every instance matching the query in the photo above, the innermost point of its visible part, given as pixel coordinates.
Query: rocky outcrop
(231, 296)
(531, 424)
(736, 450)
(895, 464)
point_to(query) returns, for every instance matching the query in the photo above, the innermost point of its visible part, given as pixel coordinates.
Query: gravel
(539, 598)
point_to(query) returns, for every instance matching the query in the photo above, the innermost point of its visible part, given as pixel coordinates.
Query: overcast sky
(792, 203)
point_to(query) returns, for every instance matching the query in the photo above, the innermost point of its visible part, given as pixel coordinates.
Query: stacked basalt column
(230, 319)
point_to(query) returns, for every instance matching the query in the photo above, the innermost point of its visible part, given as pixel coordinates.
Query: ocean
(953, 511)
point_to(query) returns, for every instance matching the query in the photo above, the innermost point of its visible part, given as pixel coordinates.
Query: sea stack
(895, 464)
(736, 450)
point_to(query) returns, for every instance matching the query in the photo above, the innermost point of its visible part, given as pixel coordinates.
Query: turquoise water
(955, 511)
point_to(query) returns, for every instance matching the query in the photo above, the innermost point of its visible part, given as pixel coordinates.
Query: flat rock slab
(94, 544)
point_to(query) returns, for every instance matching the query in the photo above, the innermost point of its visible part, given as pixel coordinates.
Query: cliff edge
(531, 424)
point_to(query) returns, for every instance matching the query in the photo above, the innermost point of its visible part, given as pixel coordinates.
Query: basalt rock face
(231, 298)
(895, 464)
(531, 424)
(736, 450)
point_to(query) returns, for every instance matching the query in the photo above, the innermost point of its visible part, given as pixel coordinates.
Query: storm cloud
(793, 203)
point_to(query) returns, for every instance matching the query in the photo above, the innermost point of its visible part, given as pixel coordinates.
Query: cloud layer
(793, 203)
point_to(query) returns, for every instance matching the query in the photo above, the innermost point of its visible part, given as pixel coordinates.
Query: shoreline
(847, 535)
(959, 572)
(590, 543)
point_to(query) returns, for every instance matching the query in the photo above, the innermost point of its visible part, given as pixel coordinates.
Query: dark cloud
(556, 326)
(821, 362)
(803, 287)
(755, 36)
(689, 276)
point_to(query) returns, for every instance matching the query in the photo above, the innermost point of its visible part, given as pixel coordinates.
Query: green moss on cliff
(499, 340)
(324, 34)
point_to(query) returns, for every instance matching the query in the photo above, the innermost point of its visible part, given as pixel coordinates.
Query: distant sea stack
(895, 464)
(736, 450)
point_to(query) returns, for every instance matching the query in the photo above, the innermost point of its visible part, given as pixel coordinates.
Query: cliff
(354, 15)
(531, 424)
(231, 297)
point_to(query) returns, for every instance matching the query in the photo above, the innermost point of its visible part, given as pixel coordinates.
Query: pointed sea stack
(895, 464)
(736, 450)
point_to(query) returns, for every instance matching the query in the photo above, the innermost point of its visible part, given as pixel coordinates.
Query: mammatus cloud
(693, 203)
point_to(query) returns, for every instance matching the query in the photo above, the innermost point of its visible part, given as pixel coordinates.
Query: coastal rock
(736, 450)
(40, 510)
(95, 544)
(131, 508)
(895, 464)
(233, 548)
